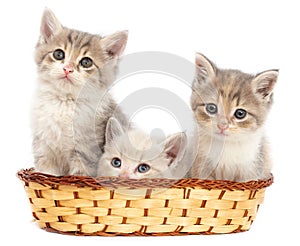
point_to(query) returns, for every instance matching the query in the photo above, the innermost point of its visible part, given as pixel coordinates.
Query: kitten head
(230, 103)
(134, 154)
(67, 58)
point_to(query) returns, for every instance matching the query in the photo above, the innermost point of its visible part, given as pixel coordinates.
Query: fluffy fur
(72, 106)
(231, 108)
(134, 148)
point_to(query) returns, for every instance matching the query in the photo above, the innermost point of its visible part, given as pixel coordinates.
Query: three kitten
(72, 107)
(73, 126)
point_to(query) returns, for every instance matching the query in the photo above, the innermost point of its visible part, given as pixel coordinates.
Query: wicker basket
(114, 206)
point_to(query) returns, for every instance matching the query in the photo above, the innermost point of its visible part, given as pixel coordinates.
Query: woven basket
(114, 206)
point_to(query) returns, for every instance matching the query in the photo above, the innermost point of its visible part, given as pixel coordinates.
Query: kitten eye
(240, 114)
(116, 162)
(143, 168)
(86, 62)
(211, 108)
(59, 54)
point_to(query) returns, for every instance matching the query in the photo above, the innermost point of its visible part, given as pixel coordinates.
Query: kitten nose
(68, 69)
(223, 126)
(123, 175)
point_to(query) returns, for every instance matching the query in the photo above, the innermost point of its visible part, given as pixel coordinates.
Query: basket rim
(29, 175)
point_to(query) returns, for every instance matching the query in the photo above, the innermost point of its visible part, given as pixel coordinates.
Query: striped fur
(71, 111)
(231, 148)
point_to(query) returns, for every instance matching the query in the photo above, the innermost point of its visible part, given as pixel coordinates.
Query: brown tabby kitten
(72, 106)
(231, 108)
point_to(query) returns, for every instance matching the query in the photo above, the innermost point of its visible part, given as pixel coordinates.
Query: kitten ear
(113, 129)
(263, 84)
(174, 146)
(115, 44)
(50, 26)
(204, 68)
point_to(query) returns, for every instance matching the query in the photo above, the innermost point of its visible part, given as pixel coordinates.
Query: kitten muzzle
(68, 69)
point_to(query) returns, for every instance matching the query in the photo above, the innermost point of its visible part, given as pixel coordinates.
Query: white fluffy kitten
(134, 154)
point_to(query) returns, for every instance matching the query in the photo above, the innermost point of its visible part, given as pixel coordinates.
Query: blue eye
(59, 54)
(116, 162)
(86, 62)
(240, 114)
(143, 168)
(211, 108)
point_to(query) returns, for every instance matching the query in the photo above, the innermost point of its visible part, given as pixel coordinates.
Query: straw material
(114, 206)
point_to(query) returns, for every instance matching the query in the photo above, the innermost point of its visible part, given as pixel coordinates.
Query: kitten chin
(231, 108)
(70, 113)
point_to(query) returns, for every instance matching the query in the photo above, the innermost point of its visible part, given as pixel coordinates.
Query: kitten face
(116, 163)
(230, 103)
(133, 154)
(67, 58)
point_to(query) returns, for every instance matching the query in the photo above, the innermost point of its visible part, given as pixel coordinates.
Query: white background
(249, 35)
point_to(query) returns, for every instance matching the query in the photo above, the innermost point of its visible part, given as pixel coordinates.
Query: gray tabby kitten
(72, 106)
(231, 108)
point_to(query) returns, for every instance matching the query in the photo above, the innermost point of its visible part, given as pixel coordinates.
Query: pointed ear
(263, 84)
(49, 26)
(113, 130)
(174, 146)
(115, 44)
(205, 69)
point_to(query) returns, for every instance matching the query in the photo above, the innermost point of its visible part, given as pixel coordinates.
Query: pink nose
(222, 127)
(123, 175)
(68, 69)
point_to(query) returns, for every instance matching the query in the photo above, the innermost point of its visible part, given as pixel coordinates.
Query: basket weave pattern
(114, 206)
